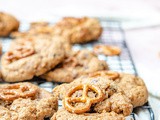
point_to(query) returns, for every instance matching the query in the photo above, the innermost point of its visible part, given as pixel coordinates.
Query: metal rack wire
(113, 34)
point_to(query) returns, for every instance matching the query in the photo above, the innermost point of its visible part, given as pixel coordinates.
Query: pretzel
(107, 50)
(71, 61)
(14, 91)
(68, 100)
(109, 74)
(19, 52)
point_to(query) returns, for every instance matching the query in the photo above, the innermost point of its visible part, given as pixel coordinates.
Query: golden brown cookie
(8, 24)
(79, 30)
(122, 92)
(65, 115)
(79, 63)
(114, 99)
(32, 102)
(28, 58)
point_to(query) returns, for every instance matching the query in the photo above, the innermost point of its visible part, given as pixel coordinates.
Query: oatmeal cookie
(79, 30)
(79, 63)
(8, 24)
(31, 58)
(114, 98)
(123, 92)
(65, 115)
(25, 101)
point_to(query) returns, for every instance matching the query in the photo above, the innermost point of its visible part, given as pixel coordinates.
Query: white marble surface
(143, 42)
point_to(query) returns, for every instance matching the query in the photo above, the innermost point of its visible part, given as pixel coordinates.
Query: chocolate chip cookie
(32, 57)
(25, 101)
(79, 63)
(8, 24)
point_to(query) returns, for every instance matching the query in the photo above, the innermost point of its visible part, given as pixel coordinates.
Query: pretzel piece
(107, 50)
(109, 74)
(14, 91)
(20, 51)
(70, 62)
(68, 100)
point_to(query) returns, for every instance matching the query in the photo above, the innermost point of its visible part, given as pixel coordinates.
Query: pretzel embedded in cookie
(14, 91)
(69, 100)
(19, 52)
(107, 50)
(71, 61)
(109, 74)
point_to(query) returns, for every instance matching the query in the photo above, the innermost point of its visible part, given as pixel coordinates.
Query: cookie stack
(90, 91)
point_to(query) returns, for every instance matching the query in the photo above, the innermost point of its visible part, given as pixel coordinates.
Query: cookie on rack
(123, 92)
(79, 30)
(31, 57)
(65, 115)
(79, 94)
(26, 101)
(79, 63)
(8, 24)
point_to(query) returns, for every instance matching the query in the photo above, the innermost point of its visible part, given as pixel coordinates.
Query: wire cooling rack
(113, 34)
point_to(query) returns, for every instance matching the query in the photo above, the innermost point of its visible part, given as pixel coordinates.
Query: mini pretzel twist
(68, 100)
(107, 50)
(19, 52)
(109, 74)
(14, 91)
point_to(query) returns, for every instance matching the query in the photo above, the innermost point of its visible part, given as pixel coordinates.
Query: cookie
(79, 63)
(79, 30)
(25, 101)
(65, 115)
(114, 99)
(8, 24)
(32, 57)
(123, 92)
